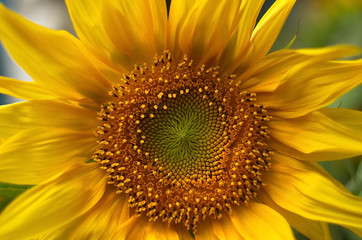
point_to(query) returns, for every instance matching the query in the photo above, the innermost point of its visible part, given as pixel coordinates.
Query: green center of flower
(184, 133)
(182, 143)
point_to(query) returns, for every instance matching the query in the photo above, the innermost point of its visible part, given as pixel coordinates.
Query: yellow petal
(255, 221)
(238, 45)
(205, 231)
(121, 31)
(137, 28)
(147, 26)
(285, 65)
(311, 89)
(34, 155)
(141, 228)
(312, 195)
(258, 221)
(54, 59)
(224, 229)
(100, 222)
(183, 233)
(87, 20)
(54, 203)
(203, 28)
(23, 90)
(159, 231)
(265, 33)
(269, 26)
(178, 13)
(311, 229)
(313, 167)
(328, 134)
(131, 229)
(306, 165)
(42, 113)
(346, 117)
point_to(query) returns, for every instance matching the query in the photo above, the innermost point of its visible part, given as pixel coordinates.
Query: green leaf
(9, 192)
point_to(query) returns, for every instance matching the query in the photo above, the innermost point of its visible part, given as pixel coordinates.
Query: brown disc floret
(182, 143)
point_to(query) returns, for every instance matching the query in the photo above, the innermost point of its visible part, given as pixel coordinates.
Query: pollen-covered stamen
(181, 143)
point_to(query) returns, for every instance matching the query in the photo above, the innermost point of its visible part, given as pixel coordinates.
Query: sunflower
(179, 125)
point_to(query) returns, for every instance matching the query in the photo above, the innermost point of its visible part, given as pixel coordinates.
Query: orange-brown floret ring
(182, 143)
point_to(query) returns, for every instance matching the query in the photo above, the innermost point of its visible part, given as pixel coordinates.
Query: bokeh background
(313, 23)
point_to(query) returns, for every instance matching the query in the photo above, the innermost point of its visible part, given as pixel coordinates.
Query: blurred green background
(316, 23)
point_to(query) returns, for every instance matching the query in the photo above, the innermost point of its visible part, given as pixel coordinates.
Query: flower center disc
(183, 134)
(182, 143)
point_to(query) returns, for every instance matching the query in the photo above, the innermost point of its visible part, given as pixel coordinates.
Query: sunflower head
(200, 129)
(182, 143)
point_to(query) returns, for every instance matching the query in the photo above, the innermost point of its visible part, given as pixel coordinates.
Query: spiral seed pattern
(182, 143)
